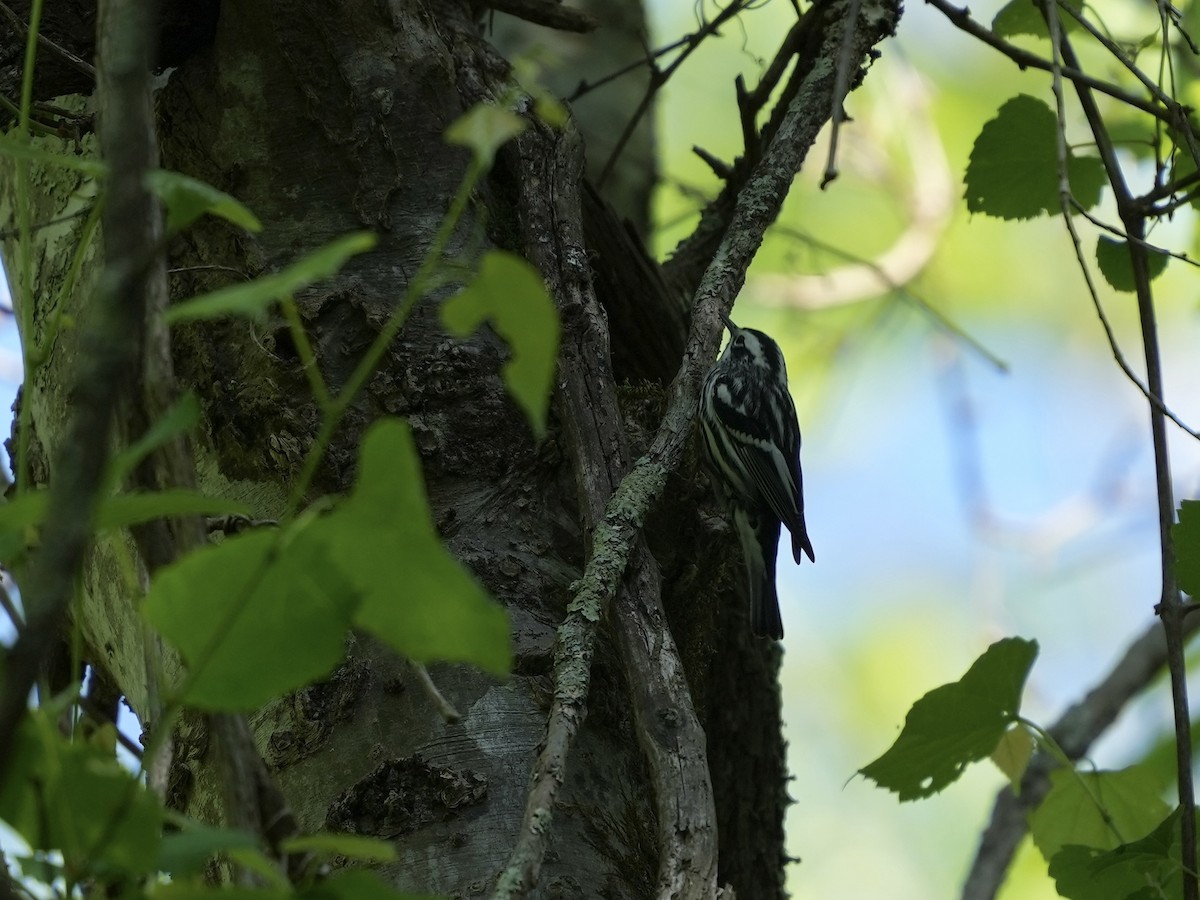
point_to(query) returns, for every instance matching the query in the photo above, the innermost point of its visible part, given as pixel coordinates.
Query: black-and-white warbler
(753, 440)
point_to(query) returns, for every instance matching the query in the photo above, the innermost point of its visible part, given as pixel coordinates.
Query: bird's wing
(773, 476)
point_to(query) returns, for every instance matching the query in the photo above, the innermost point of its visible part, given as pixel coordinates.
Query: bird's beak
(729, 324)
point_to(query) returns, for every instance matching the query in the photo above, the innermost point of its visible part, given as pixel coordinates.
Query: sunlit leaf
(255, 616)
(1012, 755)
(1096, 809)
(416, 595)
(1026, 17)
(509, 294)
(180, 418)
(956, 724)
(483, 129)
(254, 298)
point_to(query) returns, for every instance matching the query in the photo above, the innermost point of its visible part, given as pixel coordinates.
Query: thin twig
(1118, 54)
(1170, 606)
(961, 18)
(1117, 232)
(719, 167)
(659, 77)
(8, 234)
(841, 86)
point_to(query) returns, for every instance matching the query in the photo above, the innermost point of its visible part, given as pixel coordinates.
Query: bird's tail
(801, 543)
(759, 535)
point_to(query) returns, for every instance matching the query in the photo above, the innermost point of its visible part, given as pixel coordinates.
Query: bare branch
(660, 77)
(687, 846)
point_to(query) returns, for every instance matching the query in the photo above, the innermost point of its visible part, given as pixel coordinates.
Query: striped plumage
(753, 440)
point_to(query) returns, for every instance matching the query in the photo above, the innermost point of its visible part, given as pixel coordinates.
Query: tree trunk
(325, 120)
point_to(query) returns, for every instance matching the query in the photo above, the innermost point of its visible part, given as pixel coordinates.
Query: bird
(752, 438)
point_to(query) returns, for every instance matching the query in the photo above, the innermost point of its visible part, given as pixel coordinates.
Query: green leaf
(255, 861)
(1112, 255)
(956, 724)
(254, 297)
(256, 616)
(1025, 17)
(484, 129)
(186, 199)
(18, 149)
(186, 852)
(1087, 178)
(124, 510)
(76, 798)
(352, 846)
(416, 595)
(355, 884)
(1013, 169)
(1185, 535)
(1081, 805)
(1073, 871)
(1146, 869)
(509, 294)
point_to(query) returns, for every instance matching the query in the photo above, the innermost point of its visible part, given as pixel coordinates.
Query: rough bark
(323, 124)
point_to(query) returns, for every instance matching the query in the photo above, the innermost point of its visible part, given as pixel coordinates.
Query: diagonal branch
(615, 539)
(818, 43)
